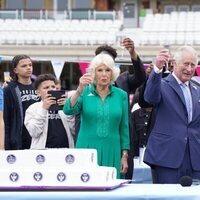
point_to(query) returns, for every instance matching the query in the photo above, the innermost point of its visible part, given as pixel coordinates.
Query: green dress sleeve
(124, 125)
(68, 110)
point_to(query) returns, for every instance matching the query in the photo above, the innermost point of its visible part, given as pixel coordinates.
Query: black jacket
(16, 134)
(141, 130)
(129, 83)
(13, 116)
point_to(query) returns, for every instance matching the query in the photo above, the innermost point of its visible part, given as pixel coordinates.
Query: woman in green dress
(104, 114)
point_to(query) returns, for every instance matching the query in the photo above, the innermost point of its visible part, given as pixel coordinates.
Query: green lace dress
(104, 124)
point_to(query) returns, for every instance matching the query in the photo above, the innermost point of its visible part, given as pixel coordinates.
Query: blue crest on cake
(61, 177)
(69, 159)
(38, 176)
(14, 177)
(40, 159)
(85, 177)
(11, 159)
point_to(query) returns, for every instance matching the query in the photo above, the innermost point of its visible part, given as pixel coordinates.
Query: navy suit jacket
(171, 132)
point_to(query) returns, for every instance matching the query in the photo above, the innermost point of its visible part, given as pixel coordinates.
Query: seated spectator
(48, 128)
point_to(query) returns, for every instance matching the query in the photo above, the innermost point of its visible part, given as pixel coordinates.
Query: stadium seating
(176, 28)
(55, 32)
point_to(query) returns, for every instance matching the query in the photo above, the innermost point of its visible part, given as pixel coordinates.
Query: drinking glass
(121, 45)
(167, 68)
(167, 62)
(88, 72)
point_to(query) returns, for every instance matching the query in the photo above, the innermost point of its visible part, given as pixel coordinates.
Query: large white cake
(54, 167)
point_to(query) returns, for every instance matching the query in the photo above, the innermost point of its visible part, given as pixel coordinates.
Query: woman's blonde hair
(104, 59)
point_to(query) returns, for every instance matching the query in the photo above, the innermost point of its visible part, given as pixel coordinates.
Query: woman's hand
(124, 165)
(85, 80)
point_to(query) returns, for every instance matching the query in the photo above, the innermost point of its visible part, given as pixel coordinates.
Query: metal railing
(66, 14)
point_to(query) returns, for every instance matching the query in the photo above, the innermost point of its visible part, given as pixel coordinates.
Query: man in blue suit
(173, 148)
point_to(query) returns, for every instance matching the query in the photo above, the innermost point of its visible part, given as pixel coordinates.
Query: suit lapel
(195, 98)
(176, 87)
(194, 92)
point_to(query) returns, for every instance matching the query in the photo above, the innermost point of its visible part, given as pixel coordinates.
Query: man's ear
(174, 64)
(15, 70)
(38, 92)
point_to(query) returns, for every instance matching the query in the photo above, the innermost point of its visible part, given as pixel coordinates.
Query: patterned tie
(188, 100)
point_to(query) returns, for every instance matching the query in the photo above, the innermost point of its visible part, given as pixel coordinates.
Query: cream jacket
(36, 122)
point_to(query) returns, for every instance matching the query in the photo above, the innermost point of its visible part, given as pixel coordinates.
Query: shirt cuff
(157, 70)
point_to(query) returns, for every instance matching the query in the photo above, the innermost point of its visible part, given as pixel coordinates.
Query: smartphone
(58, 95)
(6, 76)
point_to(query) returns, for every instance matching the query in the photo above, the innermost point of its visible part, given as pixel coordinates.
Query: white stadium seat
(61, 31)
(176, 28)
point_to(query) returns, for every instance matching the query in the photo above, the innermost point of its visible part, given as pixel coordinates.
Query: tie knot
(184, 85)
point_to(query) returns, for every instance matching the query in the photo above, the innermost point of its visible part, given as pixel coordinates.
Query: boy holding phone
(49, 128)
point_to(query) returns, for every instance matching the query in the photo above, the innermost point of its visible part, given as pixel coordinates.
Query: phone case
(57, 94)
